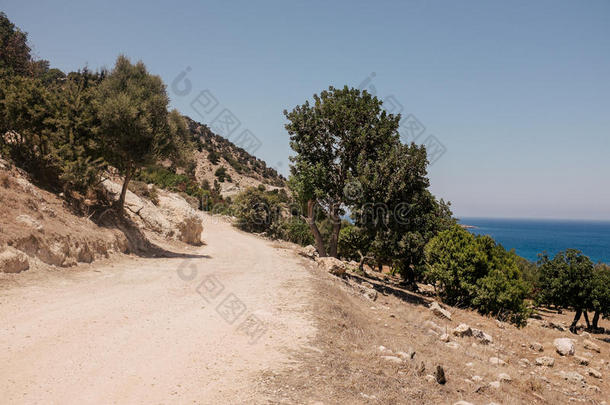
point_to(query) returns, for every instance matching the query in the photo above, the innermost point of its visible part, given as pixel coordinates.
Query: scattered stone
(444, 337)
(469, 364)
(13, 261)
(392, 359)
(332, 265)
(384, 349)
(434, 326)
(585, 334)
(440, 375)
(524, 362)
(477, 378)
(309, 251)
(594, 373)
(483, 337)
(453, 345)
(572, 376)
(494, 384)
(503, 377)
(463, 403)
(545, 361)
(500, 324)
(29, 222)
(582, 360)
(430, 378)
(537, 347)
(439, 311)
(588, 344)
(497, 361)
(408, 355)
(462, 330)
(564, 346)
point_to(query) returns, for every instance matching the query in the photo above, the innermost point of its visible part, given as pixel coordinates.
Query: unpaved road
(139, 331)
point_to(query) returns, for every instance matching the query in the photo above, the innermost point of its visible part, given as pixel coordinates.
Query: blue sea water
(529, 237)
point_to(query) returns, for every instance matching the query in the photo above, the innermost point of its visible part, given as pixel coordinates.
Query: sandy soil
(140, 330)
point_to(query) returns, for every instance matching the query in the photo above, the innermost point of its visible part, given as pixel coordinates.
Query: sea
(530, 237)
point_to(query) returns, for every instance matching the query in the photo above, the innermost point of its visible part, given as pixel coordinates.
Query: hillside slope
(243, 170)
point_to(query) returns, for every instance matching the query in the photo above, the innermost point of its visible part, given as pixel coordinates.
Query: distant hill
(232, 166)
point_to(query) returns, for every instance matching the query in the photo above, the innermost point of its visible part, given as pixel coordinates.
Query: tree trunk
(587, 319)
(334, 237)
(575, 321)
(595, 320)
(311, 221)
(121, 202)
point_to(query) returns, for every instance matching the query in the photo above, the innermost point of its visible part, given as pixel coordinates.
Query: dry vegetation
(344, 363)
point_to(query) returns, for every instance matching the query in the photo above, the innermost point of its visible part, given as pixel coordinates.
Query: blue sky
(518, 92)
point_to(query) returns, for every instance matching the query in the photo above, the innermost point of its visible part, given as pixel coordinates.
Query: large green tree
(395, 208)
(330, 136)
(136, 128)
(566, 282)
(600, 294)
(14, 49)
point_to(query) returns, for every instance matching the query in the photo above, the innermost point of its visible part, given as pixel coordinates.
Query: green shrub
(221, 174)
(474, 271)
(256, 211)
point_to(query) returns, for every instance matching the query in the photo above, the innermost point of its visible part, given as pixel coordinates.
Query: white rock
(588, 344)
(483, 337)
(13, 261)
(462, 330)
(497, 361)
(494, 384)
(409, 355)
(564, 346)
(392, 359)
(453, 345)
(524, 362)
(571, 376)
(444, 337)
(545, 361)
(503, 377)
(463, 403)
(477, 378)
(332, 265)
(594, 373)
(439, 311)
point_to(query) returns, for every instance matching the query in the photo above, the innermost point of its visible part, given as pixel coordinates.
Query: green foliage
(352, 242)
(14, 49)
(474, 271)
(213, 157)
(331, 137)
(221, 174)
(257, 211)
(566, 280)
(600, 291)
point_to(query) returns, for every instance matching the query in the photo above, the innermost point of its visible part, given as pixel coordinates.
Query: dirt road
(141, 331)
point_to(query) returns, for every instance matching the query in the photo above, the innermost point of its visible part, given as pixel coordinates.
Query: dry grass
(343, 365)
(5, 180)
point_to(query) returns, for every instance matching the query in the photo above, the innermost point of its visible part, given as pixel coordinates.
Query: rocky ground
(175, 305)
(380, 344)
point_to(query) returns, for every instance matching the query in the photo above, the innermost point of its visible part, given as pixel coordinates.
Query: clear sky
(517, 92)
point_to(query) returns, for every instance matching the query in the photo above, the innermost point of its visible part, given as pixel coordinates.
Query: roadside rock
(190, 229)
(439, 311)
(537, 347)
(590, 345)
(582, 360)
(564, 346)
(13, 261)
(545, 361)
(462, 330)
(308, 251)
(332, 265)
